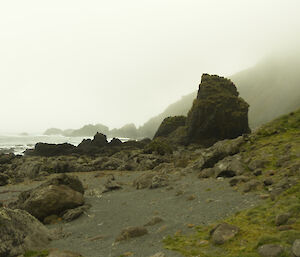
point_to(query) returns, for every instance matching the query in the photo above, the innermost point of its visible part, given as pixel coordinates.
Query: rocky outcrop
(96, 146)
(44, 149)
(20, 232)
(92, 146)
(218, 112)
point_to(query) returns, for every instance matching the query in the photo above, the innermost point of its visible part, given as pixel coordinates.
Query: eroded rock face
(20, 232)
(218, 112)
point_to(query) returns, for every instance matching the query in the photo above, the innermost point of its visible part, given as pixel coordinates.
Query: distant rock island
(127, 131)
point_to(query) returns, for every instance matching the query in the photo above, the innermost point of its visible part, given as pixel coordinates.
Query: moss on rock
(160, 146)
(217, 112)
(169, 125)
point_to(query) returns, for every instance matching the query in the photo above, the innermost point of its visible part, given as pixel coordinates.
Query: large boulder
(20, 232)
(217, 113)
(71, 181)
(169, 125)
(210, 156)
(223, 233)
(52, 198)
(270, 250)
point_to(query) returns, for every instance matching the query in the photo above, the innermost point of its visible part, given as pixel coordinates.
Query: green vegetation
(159, 146)
(278, 145)
(169, 125)
(256, 225)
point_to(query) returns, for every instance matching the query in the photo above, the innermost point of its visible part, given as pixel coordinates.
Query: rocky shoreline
(203, 173)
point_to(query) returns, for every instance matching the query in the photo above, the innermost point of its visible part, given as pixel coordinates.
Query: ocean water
(19, 143)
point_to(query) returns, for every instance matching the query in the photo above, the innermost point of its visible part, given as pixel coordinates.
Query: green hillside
(278, 143)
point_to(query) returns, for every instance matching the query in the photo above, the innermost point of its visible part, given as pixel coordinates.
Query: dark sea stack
(217, 113)
(169, 125)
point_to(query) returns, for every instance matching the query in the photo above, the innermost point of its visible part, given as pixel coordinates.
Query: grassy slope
(257, 225)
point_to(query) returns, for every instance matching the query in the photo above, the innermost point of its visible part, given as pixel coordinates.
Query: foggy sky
(66, 63)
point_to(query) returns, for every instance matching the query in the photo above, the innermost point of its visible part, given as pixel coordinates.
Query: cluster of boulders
(15, 168)
(60, 198)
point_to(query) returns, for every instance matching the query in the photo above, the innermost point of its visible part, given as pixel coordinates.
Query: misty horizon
(69, 63)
